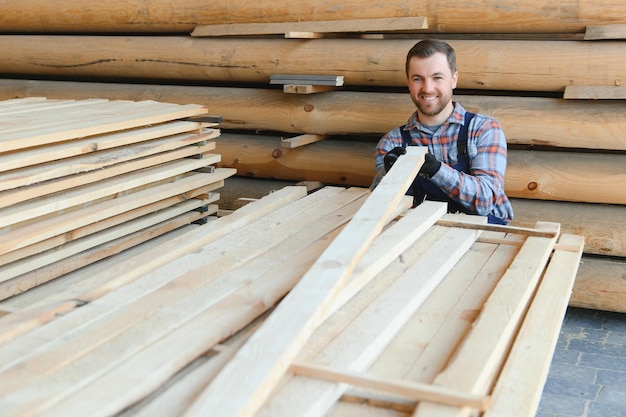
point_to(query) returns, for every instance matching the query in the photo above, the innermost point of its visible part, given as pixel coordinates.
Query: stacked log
(566, 155)
(82, 180)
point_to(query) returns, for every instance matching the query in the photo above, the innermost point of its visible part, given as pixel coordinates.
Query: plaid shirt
(482, 191)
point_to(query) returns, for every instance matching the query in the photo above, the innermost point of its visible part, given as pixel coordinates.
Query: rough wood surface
(487, 64)
(525, 120)
(121, 16)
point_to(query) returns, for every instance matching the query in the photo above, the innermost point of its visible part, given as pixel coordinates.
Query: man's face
(431, 83)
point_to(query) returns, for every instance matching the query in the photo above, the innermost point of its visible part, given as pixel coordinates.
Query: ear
(455, 78)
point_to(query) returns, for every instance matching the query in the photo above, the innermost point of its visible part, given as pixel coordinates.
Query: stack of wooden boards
(81, 180)
(389, 311)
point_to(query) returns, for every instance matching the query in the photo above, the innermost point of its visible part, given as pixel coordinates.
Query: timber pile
(553, 76)
(81, 180)
(186, 326)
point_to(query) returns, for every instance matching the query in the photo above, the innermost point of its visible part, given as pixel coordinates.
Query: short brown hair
(427, 48)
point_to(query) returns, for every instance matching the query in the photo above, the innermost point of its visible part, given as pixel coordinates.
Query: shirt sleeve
(391, 140)
(483, 188)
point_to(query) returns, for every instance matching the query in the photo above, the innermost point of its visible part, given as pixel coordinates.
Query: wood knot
(309, 108)
(277, 153)
(532, 186)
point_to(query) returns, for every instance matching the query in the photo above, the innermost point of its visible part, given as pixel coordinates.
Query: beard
(428, 110)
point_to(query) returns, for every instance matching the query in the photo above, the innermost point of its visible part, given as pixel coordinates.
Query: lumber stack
(192, 324)
(553, 76)
(81, 180)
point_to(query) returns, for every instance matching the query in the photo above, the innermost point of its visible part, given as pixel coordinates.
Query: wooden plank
(526, 231)
(314, 79)
(100, 160)
(34, 156)
(352, 25)
(447, 316)
(602, 32)
(92, 192)
(528, 362)
(600, 284)
(67, 227)
(51, 256)
(301, 140)
(477, 360)
(598, 92)
(72, 263)
(408, 389)
(48, 189)
(267, 355)
(306, 89)
(94, 123)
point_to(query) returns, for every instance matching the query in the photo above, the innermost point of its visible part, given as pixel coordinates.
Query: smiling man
(467, 153)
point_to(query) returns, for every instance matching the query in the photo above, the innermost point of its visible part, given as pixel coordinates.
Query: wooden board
(328, 26)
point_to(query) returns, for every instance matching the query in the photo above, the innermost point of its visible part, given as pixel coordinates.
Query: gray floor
(588, 373)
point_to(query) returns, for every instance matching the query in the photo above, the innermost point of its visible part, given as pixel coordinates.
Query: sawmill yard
(187, 229)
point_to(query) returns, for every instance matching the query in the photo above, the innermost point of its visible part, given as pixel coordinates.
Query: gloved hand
(392, 156)
(430, 167)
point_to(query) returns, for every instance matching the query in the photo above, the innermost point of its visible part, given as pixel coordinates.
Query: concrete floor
(588, 372)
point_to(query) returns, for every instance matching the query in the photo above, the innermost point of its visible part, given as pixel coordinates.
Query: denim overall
(422, 187)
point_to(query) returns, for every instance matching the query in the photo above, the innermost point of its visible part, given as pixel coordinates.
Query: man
(467, 153)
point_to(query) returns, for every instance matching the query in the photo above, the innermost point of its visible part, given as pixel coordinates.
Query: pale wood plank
(352, 25)
(307, 88)
(97, 123)
(172, 400)
(408, 389)
(16, 324)
(51, 256)
(601, 32)
(526, 231)
(203, 193)
(35, 278)
(62, 150)
(595, 92)
(521, 381)
(92, 192)
(100, 160)
(46, 188)
(268, 353)
(301, 140)
(481, 354)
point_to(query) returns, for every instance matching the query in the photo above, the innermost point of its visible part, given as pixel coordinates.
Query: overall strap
(461, 143)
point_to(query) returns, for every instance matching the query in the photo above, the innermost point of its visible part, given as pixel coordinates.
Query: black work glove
(430, 167)
(392, 156)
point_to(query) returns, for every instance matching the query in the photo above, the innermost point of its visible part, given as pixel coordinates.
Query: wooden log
(530, 174)
(525, 120)
(603, 225)
(495, 16)
(566, 176)
(600, 284)
(483, 64)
